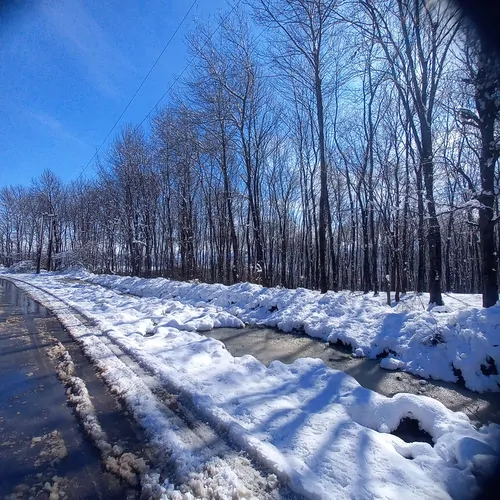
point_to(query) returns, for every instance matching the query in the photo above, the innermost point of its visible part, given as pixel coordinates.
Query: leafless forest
(324, 144)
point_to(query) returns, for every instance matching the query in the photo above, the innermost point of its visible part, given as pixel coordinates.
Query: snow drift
(460, 340)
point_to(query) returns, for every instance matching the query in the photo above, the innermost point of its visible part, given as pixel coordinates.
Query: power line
(139, 87)
(178, 77)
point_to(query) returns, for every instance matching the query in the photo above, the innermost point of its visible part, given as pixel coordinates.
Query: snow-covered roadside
(443, 343)
(193, 471)
(314, 426)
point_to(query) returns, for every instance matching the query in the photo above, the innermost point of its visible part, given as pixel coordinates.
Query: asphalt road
(43, 448)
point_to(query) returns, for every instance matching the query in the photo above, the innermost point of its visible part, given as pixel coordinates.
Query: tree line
(323, 144)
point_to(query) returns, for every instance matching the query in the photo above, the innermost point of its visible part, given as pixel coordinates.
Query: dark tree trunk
(335, 281)
(420, 233)
(404, 253)
(487, 87)
(447, 253)
(433, 232)
(323, 197)
(49, 250)
(367, 284)
(227, 194)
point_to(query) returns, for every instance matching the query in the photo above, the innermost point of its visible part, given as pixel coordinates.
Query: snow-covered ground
(432, 343)
(313, 426)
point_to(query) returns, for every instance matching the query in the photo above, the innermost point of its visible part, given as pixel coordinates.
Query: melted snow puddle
(267, 345)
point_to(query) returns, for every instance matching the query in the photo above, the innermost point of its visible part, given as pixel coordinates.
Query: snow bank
(24, 266)
(443, 343)
(313, 426)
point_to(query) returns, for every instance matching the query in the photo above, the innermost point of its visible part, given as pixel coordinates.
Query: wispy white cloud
(87, 41)
(55, 127)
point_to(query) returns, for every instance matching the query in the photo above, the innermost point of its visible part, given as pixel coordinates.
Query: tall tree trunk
(323, 197)
(420, 232)
(227, 195)
(434, 232)
(333, 258)
(487, 87)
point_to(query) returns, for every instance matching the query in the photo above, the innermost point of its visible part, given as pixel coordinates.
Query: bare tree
(415, 37)
(304, 25)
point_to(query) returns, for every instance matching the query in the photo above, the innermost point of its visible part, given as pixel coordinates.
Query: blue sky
(69, 67)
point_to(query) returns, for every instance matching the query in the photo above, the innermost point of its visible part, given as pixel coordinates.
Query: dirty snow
(124, 465)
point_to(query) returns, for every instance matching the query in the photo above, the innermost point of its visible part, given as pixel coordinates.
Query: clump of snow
(391, 363)
(52, 448)
(56, 488)
(358, 353)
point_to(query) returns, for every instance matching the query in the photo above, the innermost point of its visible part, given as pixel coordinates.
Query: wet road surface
(42, 446)
(267, 345)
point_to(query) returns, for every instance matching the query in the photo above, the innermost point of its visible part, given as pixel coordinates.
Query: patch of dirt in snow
(51, 448)
(409, 430)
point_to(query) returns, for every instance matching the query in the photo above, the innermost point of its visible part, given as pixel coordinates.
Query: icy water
(268, 345)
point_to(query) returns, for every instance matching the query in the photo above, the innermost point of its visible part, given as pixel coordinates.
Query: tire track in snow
(206, 464)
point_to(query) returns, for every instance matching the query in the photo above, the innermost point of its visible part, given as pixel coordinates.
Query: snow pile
(313, 426)
(460, 339)
(24, 266)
